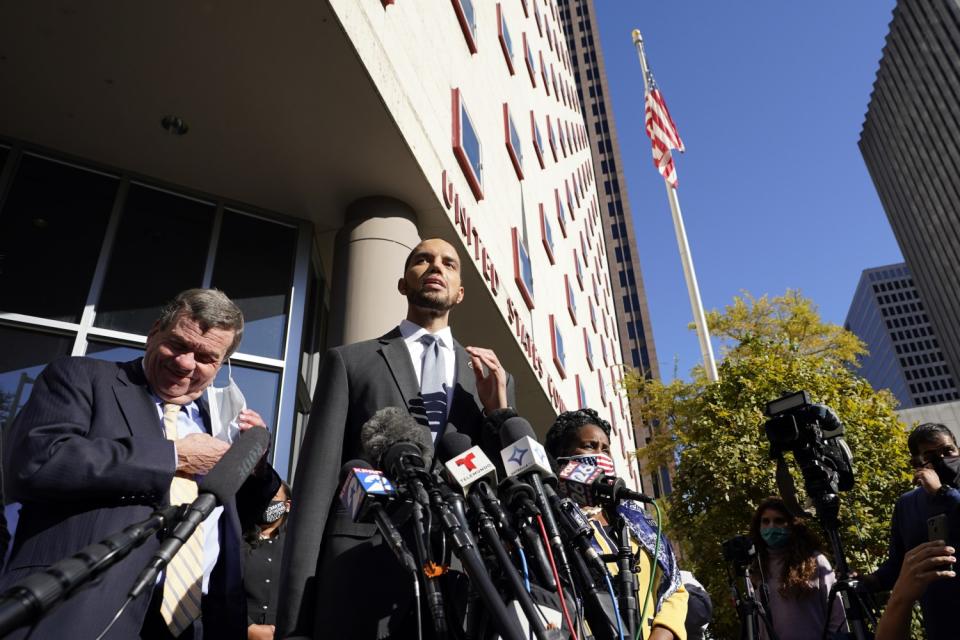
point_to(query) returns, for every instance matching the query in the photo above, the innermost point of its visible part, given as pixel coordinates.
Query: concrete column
(377, 235)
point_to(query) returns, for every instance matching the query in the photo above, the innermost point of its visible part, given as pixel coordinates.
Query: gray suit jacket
(355, 381)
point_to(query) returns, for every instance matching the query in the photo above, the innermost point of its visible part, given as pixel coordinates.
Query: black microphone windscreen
(515, 428)
(229, 474)
(453, 444)
(350, 465)
(387, 427)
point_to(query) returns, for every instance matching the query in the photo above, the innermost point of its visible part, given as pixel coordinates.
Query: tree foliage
(713, 432)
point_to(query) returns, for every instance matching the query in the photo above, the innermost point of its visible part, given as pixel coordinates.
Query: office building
(911, 144)
(889, 315)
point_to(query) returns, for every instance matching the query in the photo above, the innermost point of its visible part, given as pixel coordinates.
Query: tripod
(855, 610)
(749, 609)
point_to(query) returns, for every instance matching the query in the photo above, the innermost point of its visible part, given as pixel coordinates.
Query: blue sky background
(769, 98)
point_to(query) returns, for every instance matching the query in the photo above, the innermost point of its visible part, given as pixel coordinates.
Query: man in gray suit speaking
(339, 580)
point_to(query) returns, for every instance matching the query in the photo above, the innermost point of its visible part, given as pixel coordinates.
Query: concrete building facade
(292, 157)
(888, 314)
(911, 144)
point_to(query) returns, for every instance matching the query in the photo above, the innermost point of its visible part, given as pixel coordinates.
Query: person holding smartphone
(933, 456)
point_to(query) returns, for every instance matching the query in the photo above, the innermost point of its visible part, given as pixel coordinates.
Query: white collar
(412, 332)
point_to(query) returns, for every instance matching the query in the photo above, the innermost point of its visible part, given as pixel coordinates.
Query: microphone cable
(526, 569)
(616, 607)
(115, 617)
(416, 598)
(653, 571)
(556, 576)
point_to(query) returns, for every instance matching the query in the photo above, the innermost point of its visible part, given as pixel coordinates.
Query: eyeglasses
(930, 457)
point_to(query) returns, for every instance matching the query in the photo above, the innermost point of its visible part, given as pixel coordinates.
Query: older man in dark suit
(100, 444)
(339, 580)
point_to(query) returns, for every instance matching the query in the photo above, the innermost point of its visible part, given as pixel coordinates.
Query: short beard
(434, 306)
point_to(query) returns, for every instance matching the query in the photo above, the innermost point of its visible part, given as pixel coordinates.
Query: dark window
(254, 266)
(51, 230)
(160, 250)
(23, 355)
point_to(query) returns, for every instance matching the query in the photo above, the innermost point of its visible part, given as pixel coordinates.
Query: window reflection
(160, 250)
(471, 143)
(254, 266)
(113, 352)
(23, 355)
(260, 388)
(51, 229)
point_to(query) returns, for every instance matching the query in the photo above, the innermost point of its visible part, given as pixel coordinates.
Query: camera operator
(793, 574)
(934, 458)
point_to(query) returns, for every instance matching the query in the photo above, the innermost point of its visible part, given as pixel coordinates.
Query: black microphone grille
(229, 474)
(515, 428)
(452, 444)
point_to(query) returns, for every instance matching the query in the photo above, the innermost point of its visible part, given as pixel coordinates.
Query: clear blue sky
(769, 98)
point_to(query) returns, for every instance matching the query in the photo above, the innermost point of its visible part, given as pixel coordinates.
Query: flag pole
(700, 320)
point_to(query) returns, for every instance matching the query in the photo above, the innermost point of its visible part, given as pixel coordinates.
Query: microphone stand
(626, 581)
(488, 531)
(28, 599)
(430, 586)
(465, 549)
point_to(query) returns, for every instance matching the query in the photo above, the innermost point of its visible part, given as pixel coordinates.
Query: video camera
(814, 434)
(739, 551)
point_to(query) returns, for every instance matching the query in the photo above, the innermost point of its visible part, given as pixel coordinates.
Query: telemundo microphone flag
(662, 132)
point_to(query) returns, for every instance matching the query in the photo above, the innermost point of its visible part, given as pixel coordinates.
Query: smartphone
(937, 530)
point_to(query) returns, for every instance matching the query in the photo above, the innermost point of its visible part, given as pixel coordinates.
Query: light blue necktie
(432, 387)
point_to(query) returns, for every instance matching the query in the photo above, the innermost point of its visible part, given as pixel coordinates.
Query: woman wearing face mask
(793, 575)
(584, 436)
(263, 550)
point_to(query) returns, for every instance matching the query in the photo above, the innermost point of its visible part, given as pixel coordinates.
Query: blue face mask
(775, 537)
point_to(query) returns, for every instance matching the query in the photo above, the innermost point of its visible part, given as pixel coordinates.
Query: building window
(571, 300)
(570, 206)
(581, 394)
(526, 9)
(522, 269)
(528, 56)
(593, 313)
(588, 348)
(506, 43)
(556, 346)
(512, 141)
(603, 350)
(561, 213)
(546, 233)
(543, 74)
(467, 18)
(551, 136)
(536, 16)
(466, 146)
(579, 268)
(537, 140)
(603, 391)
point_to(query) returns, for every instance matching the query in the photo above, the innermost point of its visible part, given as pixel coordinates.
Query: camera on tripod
(814, 434)
(739, 551)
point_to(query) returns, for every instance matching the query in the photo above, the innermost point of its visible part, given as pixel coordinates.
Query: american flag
(662, 133)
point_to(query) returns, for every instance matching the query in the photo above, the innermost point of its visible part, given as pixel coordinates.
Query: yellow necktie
(184, 575)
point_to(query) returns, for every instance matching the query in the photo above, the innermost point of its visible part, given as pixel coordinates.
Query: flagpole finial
(637, 38)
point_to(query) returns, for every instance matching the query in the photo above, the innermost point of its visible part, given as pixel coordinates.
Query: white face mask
(225, 405)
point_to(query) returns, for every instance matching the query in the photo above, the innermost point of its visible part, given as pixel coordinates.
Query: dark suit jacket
(338, 581)
(87, 457)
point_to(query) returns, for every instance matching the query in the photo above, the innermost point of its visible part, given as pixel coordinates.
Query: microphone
(364, 492)
(389, 427)
(216, 488)
(590, 486)
(524, 457)
(466, 465)
(577, 528)
(489, 439)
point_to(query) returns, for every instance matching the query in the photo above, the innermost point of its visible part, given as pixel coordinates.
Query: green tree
(713, 431)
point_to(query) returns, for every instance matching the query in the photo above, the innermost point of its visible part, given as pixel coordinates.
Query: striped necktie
(184, 574)
(433, 389)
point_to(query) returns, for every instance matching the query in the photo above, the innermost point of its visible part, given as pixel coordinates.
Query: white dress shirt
(411, 335)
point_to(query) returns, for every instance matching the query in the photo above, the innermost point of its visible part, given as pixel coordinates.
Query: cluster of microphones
(510, 514)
